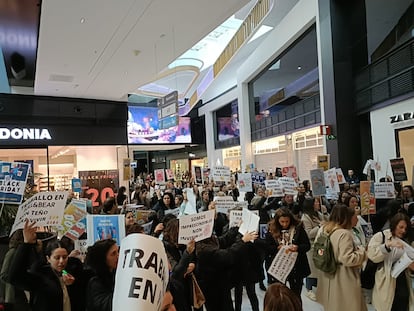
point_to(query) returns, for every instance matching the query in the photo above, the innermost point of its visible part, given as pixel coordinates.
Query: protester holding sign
(216, 259)
(47, 284)
(286, 230)
(391, 293)
(102, 258)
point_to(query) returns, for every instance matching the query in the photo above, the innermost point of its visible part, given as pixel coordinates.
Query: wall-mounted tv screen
(143, 127)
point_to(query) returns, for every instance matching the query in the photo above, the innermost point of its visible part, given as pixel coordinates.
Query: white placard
(274, 188)
(331, 181)
(384, 190)
(174, 211)
(44, 209)
(250, 222)
(82, 247)
(245, 182)
(196, 227)
(289, 185)
(221, 173)
(223, 204)
(282, 264)
(141, 275)
(235, 218)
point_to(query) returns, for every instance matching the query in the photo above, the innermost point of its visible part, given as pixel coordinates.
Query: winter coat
(384, 287)
(342, 290)
(100, 292)
(42, 282)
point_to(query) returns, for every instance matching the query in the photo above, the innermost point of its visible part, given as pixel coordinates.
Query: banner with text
(44, 209)
(141, 275)
(196, 227)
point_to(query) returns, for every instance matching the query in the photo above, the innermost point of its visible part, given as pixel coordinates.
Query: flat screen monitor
(143, 128)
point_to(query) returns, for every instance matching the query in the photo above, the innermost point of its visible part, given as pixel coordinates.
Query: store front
(392, 130)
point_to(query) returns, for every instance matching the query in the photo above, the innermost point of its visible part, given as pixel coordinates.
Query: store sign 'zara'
(402, 117)
(24, 134)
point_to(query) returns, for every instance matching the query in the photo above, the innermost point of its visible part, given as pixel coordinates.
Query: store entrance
(405, 149)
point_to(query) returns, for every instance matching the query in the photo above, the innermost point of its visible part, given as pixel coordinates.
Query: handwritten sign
(196, 227)
(44, 209)
(141, 275)
(282, 264)
(274, 188)
(223, 204)
(221, 173)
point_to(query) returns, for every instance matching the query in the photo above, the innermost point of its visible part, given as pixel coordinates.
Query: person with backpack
(335, 288)
(286, 230)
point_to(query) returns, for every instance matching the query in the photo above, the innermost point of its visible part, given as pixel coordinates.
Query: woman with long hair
(286, 230)
(102, 258)
(391, 293)
(335, 289)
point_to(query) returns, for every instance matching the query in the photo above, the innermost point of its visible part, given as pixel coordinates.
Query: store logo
(24, 133)
(402, 117)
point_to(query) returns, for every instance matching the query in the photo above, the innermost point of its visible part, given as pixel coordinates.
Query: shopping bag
(198, 296)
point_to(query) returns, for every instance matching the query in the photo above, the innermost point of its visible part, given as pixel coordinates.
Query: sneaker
(311, 295)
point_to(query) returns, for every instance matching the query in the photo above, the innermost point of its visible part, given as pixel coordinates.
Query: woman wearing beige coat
(391, 294)
(342, 290)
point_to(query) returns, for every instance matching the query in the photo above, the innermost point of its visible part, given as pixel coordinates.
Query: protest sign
(282, 264)
(141, 275)
(236, 217)
(323, 161)
(169, 173)
(173, 211)
(250, 222)
(196, 227)
(245, 182)
(198, 175)
(44, 209)
(258, 178)
(318, 182)
(331, 180)
(221, 174)
(223, 204)
(366, 190)
(340, 176)
(274, 188)
(398, 169)
(384, 190)
(13, 178)
(101, 227)
(290, 171)
(288, 185)
(82, 247)
(76, 185)
(159, 177)
(71, 225)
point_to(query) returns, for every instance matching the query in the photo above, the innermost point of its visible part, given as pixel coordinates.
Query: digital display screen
(144, 128)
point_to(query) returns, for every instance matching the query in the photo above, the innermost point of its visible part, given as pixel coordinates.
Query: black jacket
(45, 290)
(100, 292)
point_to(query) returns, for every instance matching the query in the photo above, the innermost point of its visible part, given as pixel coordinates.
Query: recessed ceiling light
(82, 20)
(299, 67)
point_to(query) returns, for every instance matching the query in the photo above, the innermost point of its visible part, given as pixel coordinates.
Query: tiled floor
(308, 305)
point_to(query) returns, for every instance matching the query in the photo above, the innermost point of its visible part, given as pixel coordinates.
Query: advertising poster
(366, 190)
(221, 174)
(274, 188)
(318, 182)
(323, 162)
(13, 178)
(141, 275)
(398, 169)
(43, 208)
(97, 186)
(72, 225)
(223, 204)
(101, 227)
(196, 227)
(245, 182)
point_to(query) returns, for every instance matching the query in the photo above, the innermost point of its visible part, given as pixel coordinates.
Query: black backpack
(323, 255)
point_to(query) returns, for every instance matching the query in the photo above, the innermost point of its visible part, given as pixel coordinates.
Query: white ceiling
(105, 49)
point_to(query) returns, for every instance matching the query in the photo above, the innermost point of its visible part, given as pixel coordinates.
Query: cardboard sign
(44, 209)
(196, 227)
(141, 275)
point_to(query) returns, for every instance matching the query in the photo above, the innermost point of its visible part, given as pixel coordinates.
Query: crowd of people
(57, 279)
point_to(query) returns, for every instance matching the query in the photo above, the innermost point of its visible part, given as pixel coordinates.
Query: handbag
(198, 296)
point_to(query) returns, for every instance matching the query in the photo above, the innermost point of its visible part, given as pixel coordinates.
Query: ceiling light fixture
(82, 20)
(299, 67)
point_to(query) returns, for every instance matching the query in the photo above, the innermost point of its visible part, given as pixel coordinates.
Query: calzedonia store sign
(19, 134)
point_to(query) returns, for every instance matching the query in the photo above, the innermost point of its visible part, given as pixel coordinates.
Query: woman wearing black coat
(285, 229)
(102, 258)
(48, 284)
